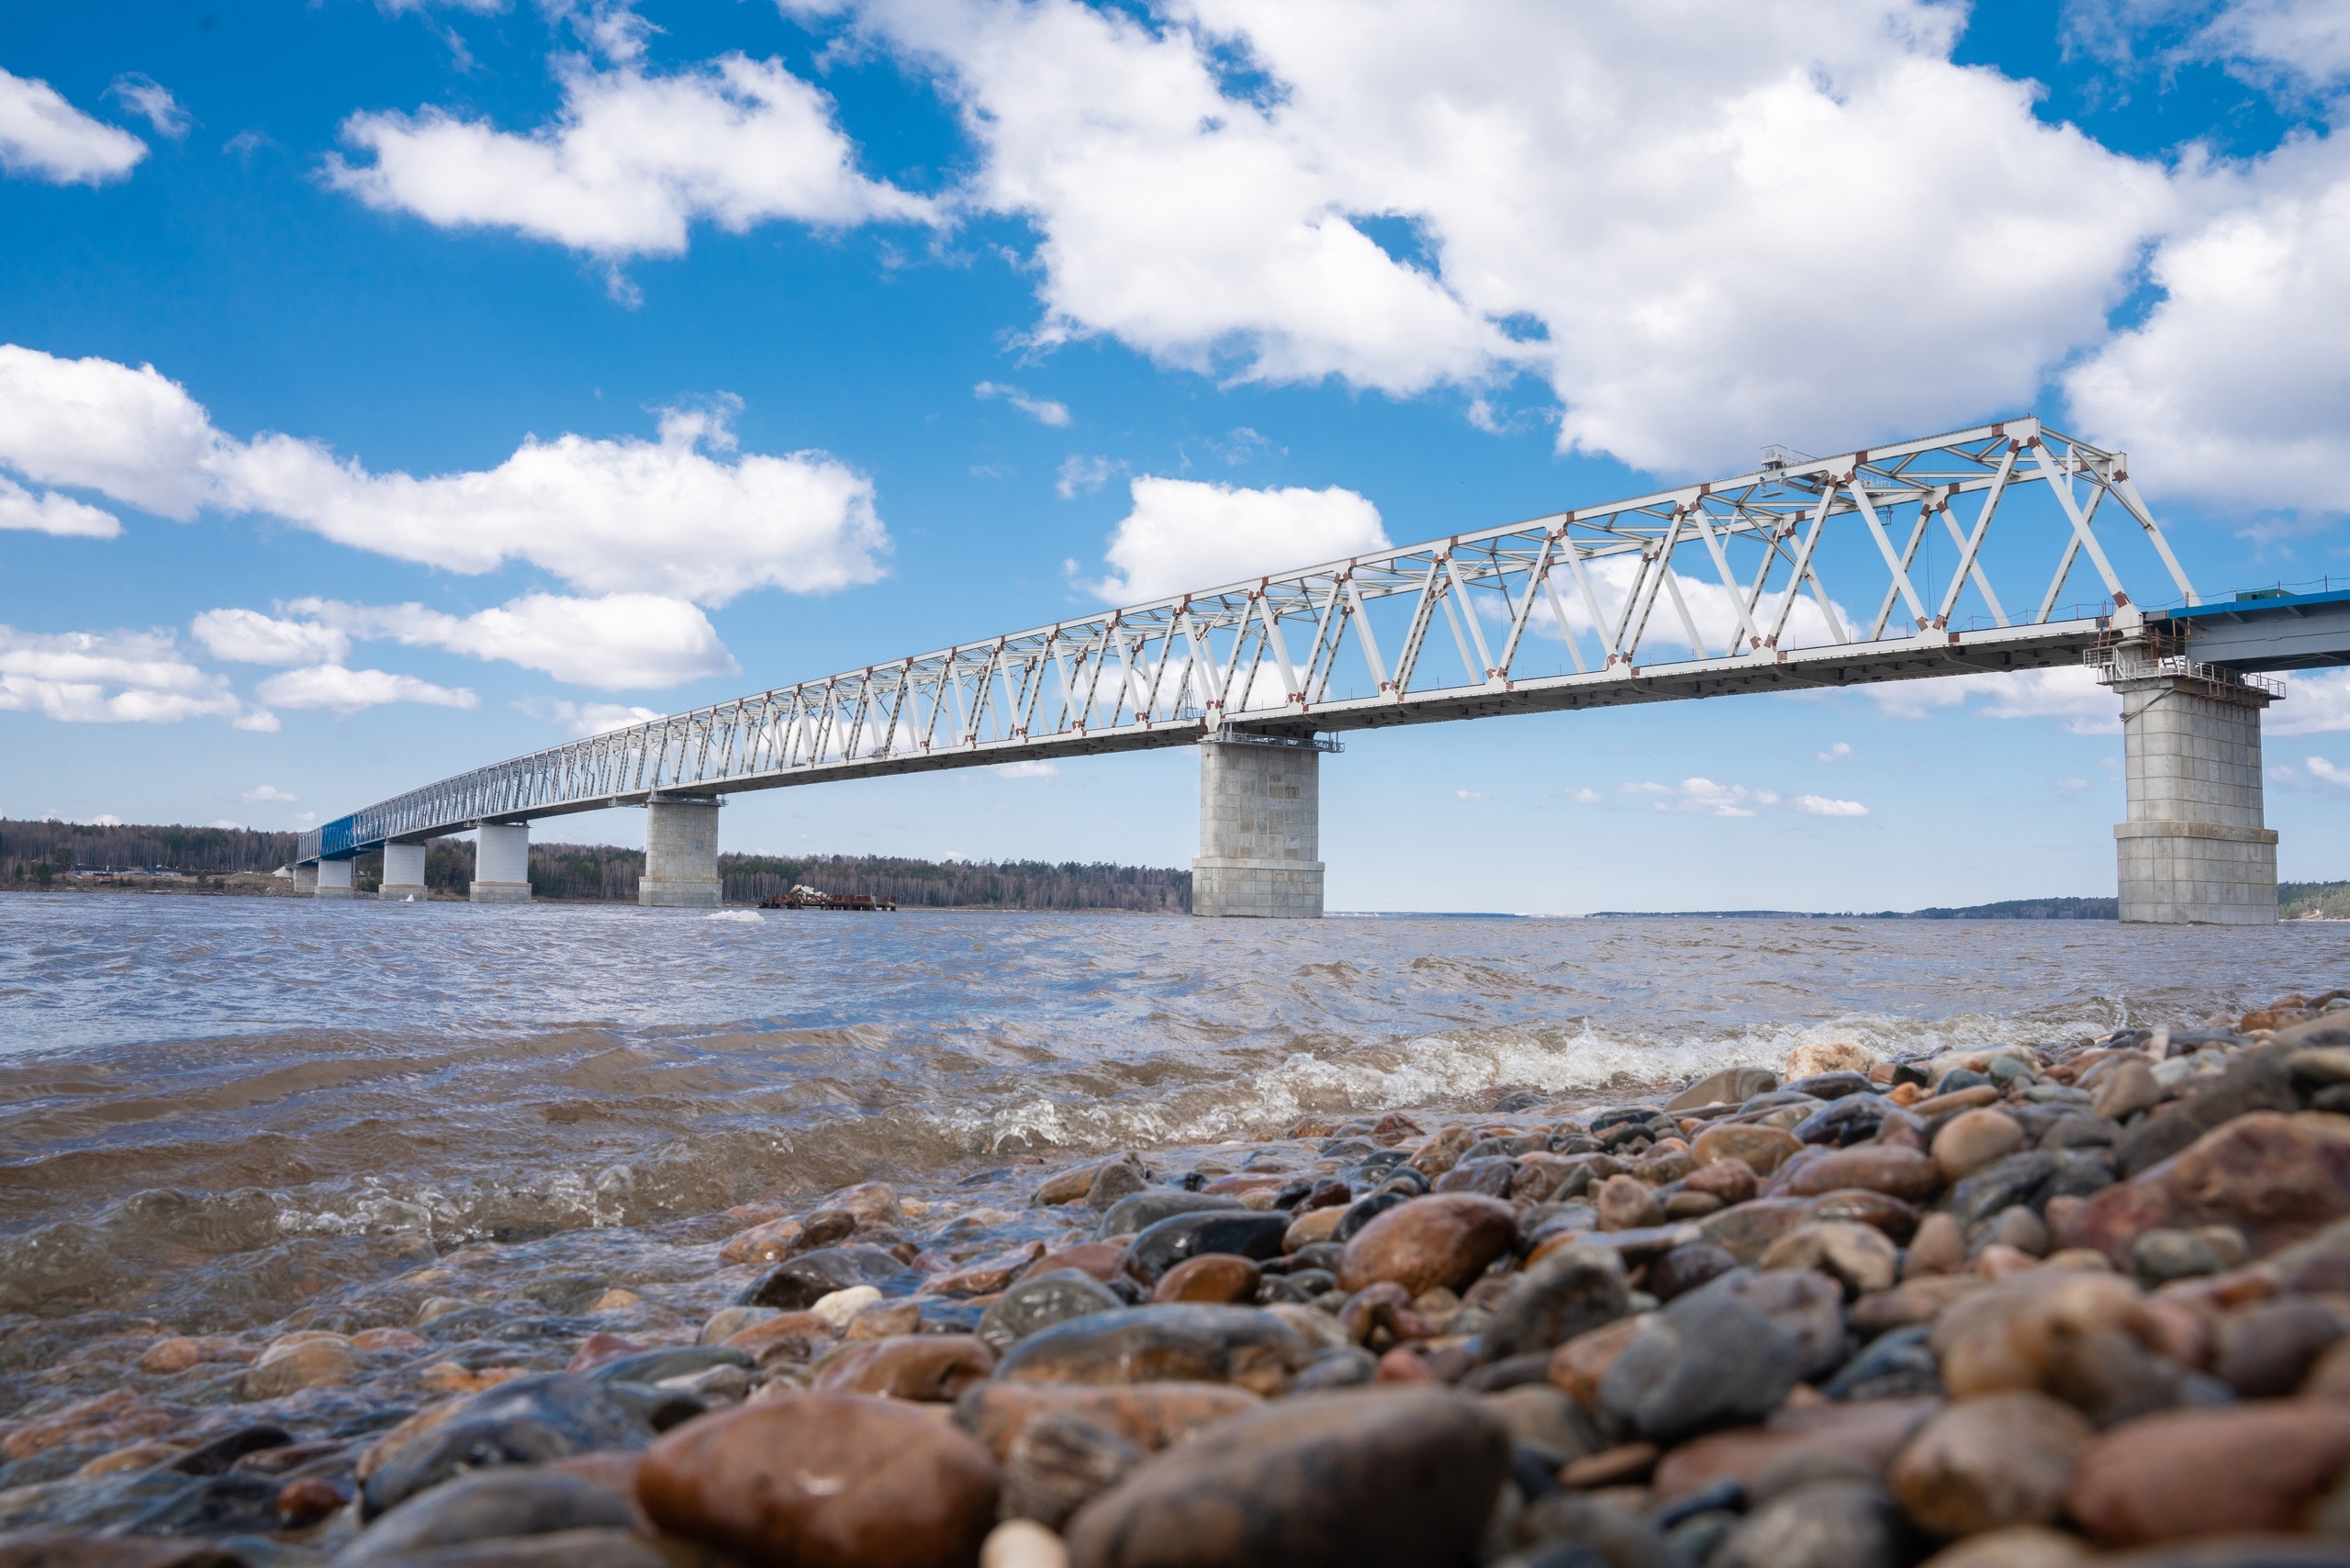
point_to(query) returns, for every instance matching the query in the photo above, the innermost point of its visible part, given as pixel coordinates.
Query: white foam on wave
(750, 916)
(1452, 1070)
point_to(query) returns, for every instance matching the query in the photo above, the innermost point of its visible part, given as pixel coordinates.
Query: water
(214, 1110)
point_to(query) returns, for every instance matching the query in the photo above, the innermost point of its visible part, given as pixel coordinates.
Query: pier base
(680, 855)
(1260, 830)
(305, 881)
(2194, 850)
(334, 879)
(503, 863)
(403, 872)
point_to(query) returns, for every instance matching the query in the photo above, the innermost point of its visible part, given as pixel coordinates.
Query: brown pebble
(823, 1481)
(2210, 1472)
(928, 1368)
(1213, 1276)
(1446, 1239)
(1610, 1467)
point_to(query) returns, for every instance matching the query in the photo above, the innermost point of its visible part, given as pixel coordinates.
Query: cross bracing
(1956, 554)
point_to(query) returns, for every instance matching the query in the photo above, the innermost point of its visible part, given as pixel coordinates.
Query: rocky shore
(1996, 1309)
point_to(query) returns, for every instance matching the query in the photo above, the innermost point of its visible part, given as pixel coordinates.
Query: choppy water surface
(211, 1108)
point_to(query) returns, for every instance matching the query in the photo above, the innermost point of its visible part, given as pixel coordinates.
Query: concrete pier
(334, 879)
(503, 863)
(403, 872)
(680, 855)
(1260, 830)
(2195, 849)
(306, 880)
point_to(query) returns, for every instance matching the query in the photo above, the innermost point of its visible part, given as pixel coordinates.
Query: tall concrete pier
(503, 863)
(1261, 828)
(334, 879)
(680, 855)
(403, 872)
(2195, 850)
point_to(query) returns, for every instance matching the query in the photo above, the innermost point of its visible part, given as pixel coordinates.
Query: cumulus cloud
(268, 792)
(50, 512)
(1824, 806)
(1841, 752)
(1083, 475)
(44, 137)
(684, 516)
(1184, 535)
(630, 163)
(1287, 193)
(2320, 769)
(142, 95)
(347, 691)
(588, 718)
(107, 677)
(1703, 796)
(1044, 410)
(248, 637)
(2316, 702)
(620, 641)
(1585, 797)
(2070, 694)
(2231, 392)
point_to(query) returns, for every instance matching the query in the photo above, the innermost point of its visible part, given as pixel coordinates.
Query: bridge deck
(1705, 590)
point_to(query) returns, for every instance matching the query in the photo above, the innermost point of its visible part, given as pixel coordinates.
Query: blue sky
(516, 365)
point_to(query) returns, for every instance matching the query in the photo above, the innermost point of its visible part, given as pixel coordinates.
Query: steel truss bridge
(1881, 564)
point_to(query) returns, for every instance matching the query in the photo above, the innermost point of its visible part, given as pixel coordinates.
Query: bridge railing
(1735, 569)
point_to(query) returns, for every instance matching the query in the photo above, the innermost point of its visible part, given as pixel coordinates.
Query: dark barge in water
(814, 898)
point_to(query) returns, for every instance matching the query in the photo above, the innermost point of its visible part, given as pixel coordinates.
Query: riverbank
(2005, 1305)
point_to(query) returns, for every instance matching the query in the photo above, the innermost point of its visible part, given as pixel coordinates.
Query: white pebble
(1022, 1543)
(838, 1308)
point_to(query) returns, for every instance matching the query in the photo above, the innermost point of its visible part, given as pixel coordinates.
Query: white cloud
(2320, 768)
(348, 690)
(142, 95)
(1713, 609)
(224, 822)
(248, 637)
(50, 512)
(1044, 410)
(269, 792)
(1823, 806)
(1704, 797)
(681, 517)
(588, 718)
(1471, 795)
(631, 161)
(2316, 702)
(1841, 752)
(1184, 535)
(107, 677)
(1085, 475)
(44, 137)
(1554, 185)
(1025, 770)
(1585, 797)
(620, 641)
(2072, 783)
(2232, 391)
(2069, 694)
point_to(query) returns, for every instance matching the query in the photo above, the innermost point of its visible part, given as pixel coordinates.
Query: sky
(391, 386)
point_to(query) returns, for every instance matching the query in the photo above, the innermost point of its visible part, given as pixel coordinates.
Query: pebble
(1042, 1300)
(2266, 1350)
(1984, 1464)
(1216, 1277)
(2089, 1339)
(2019, 1546)
(1731, 1086)
(1832, 1524)
(288, 1367)
(1334, 1480)
(1706, 1359)
(1685, 1268)
(823, 1481)
(1865, 1436)
(1174, 1239)
(1972, 1139)
(931, 1368)
(1149, 1416)
(1859, 1257)
(1185, 1342)
(1762, 1148)
(496, 1504)
(1022, 1543)
(1132, 1215)
(2277, 1178)
(1906, 1173)
(1446, 1239)
(2128, 1089)
(1627, 1202)
(808, 1278)
(1569, 1293)
(2189, 1473)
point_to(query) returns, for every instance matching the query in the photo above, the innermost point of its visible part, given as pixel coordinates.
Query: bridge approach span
(1959, 553)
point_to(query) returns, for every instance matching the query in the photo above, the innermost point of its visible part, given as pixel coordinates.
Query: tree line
(40, 852)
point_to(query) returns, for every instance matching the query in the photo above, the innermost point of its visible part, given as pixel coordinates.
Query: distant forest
(35, 854)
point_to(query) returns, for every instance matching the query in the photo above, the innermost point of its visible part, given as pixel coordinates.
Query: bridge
(1712, 589)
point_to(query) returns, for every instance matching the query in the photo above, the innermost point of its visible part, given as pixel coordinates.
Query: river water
(213, 1109)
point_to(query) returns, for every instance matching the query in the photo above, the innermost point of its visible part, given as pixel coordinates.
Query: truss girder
(1270, 650)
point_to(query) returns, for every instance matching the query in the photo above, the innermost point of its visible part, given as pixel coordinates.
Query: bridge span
(1712, 590)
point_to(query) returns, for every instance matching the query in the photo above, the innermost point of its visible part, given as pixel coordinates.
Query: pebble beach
(2084, 1300)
